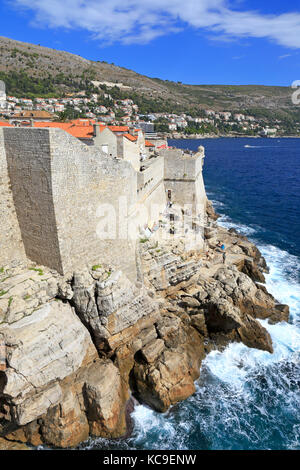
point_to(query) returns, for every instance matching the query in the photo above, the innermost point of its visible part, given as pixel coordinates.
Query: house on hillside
(31, 116)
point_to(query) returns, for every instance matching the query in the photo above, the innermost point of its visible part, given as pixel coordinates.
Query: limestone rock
(198, 321)
(105, 401)
(211, 214)
(280, 313)
(222, 316)
(153, 350)
(42, 350)
(171, 377)
(252, 270)
(191, 302)
(65, 425)
(110, 307)
(9, 445)
(254, 335)
(24, 289)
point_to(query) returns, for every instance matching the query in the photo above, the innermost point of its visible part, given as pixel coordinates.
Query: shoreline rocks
(76, 352)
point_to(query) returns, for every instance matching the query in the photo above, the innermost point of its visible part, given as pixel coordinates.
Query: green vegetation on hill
(34, 71)
(23, 85)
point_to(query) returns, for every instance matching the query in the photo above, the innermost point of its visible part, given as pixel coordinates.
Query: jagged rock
(167, 325)
(42, 351)
(210, 211)
(110, 307)
(29, 434)
(24, 289)
(249, 297)
(254, 335)
(147, 335)
(35, 405)
(252, 270)
(65, 425)
(9, 445)
(198, 321)
(153, 350)
(105, 400)
(191, 302)
(253, 252)
(171, 381)
(151, 335)
(222, 316)
(132, 333)
(279, 313)
(171, 378)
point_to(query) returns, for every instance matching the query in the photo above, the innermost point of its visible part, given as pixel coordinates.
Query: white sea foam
(244, 396)
(226, 222)
(282, 281)
(217, 203)
(235, 363)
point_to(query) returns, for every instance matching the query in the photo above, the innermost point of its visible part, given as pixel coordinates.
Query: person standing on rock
(223, 253)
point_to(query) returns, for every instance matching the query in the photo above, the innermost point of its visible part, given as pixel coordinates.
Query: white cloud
(285, 56)
(140, 21)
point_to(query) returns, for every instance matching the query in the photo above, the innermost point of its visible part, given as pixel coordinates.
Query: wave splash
(245, 399)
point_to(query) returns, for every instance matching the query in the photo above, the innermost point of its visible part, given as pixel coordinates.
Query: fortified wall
(61, 189)
(11, 245)
(183, 178)
(66, 205)
(151, 190)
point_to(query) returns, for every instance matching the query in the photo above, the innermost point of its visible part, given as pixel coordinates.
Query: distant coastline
(212, 136)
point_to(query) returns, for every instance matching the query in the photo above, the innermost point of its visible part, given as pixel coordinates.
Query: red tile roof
(149, 144)
(119, 128)
(83, 128)
(133, 138)
(82, 131)
(5, 124)
(60, 125)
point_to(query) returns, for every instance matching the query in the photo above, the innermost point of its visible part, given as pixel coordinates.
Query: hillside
(34, 70)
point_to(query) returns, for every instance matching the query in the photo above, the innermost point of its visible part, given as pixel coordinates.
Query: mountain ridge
(40, 62)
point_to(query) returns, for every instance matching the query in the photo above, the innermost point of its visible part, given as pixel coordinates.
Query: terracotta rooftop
(132, 138)
(83, 129)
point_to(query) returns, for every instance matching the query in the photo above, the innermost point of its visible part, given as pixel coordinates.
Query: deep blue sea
(245, 399)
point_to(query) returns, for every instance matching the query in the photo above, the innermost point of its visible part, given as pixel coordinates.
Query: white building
(2, 95)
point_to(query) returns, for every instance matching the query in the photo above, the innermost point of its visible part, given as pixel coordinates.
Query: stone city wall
(11, 245)
(131, 153)
(62, 190)
(151, 190)
(183, 179)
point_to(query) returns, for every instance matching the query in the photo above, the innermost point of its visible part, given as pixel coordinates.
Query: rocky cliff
(75, 350)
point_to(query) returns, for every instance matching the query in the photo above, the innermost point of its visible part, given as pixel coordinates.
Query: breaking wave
(245, 398)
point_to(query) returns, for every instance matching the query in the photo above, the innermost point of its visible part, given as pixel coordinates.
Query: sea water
(245, 398)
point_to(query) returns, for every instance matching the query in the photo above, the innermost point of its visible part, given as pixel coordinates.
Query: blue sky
(192, 41)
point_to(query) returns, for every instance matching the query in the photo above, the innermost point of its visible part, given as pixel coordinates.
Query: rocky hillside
(65, 72)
